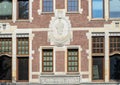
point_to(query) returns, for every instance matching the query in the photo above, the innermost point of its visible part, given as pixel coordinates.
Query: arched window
(5, 68)
(115, 67)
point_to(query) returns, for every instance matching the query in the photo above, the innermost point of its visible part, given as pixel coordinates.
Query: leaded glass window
(47, 60)
(97, 68)
(5, 9)
(72, 64)
(97, 44)
(114, 44)
(23, 68)
(23, 9)
(6, 46)
(47, 5)
(72, 5)
(22, 46)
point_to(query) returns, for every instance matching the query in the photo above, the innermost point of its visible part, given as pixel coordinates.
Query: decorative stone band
(23, 35)
(98, 34)
(5, 35)
(60, 79)
(114, 33)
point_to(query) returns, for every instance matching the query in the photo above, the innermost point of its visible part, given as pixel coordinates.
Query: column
(106, 57)
(14, 57)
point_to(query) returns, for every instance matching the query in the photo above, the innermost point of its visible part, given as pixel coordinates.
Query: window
(97, 44)
(23, 9)
(98, 57)
(5, 68)
(6, 46)
(23, 46)
(47, 60)
(114, 44)
(114, 8)
(115, 67)
(72, 5)
(22, 57)
(97, 8)
(72, 60)
(47, 5)
(23, 68)
(97, 68)
(5, 9)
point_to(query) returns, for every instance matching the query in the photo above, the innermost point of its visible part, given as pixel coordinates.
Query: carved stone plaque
(60, 32)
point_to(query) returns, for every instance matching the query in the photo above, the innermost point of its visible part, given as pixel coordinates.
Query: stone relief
(60, 32)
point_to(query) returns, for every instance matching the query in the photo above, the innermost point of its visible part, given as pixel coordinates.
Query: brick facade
(80, 27)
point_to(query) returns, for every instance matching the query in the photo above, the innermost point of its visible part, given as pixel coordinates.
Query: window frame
(22, 56)
(98, 55)
(17, 10)
(106, 11)
(77, 7)
(72, 60)
(17, 68)
(42, 7)
(99, 42)
(117, 18)
(103, 71)
(6, 39)
(102, 10)
(21, 45)
(80, 10)
(49, 61)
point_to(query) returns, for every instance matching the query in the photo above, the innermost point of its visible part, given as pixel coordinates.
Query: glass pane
(97, 8)
(115, 67)
(72, 5)
(97, 68)
(5, 9)
(114, 8)
(23, 9)
(47, 5)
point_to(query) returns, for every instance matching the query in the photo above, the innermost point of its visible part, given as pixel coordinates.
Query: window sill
(73, 73)
(9, 20)
(73, 12)
(47, 13)
(114, 18)
(98, 81)
(23, 20)
(114, 81)
(93, 19)
(47, 73)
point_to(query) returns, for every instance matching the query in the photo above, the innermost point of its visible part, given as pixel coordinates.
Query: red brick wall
(60, 4)
(80, 38)
(43, 20)
(40, 39)
(60, 61)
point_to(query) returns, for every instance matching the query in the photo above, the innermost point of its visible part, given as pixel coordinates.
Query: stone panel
(60, 79)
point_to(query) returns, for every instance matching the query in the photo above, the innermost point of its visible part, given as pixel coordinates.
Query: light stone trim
(106, 57)
(80, 10)
(54, 57)
(58, 79)
(14, 57)
(79, 56)
(14, 9)
(90, 58)
(98, 34)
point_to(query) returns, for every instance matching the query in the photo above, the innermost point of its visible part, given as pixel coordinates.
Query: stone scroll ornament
(60, 33)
